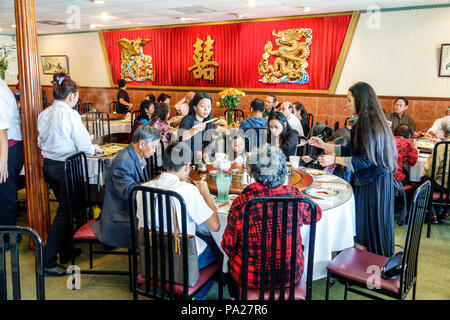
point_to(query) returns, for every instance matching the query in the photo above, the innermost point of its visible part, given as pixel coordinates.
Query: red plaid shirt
(232, 237)
(406, 152)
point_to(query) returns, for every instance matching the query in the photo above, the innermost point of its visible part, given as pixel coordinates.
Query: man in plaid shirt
(268, 167)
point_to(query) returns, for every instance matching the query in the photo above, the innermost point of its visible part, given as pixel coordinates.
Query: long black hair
(145, 104)
(277, 115)
(199, 96)
(371, 129)
(160, 113)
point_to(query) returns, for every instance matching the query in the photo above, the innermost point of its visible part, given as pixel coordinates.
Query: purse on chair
(393, 267)
(178, 253)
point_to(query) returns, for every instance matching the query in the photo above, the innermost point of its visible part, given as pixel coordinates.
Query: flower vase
(229, 117)
(2, 73)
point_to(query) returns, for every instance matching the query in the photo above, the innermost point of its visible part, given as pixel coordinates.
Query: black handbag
(393, 267)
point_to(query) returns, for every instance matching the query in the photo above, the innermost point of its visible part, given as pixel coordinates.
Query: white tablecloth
(120, 125)
(416, 171)
(334, 232)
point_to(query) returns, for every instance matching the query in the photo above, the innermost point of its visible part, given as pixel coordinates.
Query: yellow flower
(217, 104)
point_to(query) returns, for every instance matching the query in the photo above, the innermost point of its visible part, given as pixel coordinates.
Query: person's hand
(3, 171)
(199, 127)
(306, 159)
(98, 150)
(202, 186)
(317, 142)
(326, 160)
(389, 123)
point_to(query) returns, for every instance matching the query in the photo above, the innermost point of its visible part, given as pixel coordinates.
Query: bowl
(213, 174)
(236, 175)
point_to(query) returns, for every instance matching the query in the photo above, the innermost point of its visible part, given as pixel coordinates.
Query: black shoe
(56, 271)
(75, 253)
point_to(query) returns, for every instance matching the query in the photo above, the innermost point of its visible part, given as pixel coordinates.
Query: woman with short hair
(406, 151)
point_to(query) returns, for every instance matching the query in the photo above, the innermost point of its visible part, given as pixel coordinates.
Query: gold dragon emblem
(290, 62)
(135, 65)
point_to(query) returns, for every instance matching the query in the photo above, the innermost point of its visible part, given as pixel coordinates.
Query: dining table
(336, 229)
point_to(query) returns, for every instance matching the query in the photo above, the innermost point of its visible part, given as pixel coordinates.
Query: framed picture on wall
(444, 64)
(54, 64)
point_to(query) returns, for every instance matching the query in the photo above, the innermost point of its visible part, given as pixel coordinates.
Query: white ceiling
(140, 13)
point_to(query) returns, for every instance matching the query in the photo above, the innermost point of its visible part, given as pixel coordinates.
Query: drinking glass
(223, 182)
(294, 160)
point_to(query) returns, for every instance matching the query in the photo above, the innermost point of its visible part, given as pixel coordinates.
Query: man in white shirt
(288, 110)
(436, 128)
(11, 156)
(200, 205)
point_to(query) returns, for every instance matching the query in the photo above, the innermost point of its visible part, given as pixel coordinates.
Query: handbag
(393, 267)
(193, 271)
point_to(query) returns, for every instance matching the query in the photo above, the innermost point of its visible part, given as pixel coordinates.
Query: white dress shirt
(9, 115)
(62, 133)
(437, 127)
(295, 124)
(197, 209)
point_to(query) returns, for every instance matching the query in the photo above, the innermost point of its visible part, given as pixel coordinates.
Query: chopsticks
(223, 204)
(213, 119)
(312, 197)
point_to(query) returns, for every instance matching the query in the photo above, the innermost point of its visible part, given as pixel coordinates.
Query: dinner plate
(315, 172)
(322, 192)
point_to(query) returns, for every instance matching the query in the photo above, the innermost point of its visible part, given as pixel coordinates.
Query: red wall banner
(237, 51)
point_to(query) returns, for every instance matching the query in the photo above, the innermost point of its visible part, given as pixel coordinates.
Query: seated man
(268, 167)
(436, 128)
(113, 228)
(256, 119)
(399, 116)
(288, 110)
(427, 170)
(200, 206)
(270, 104)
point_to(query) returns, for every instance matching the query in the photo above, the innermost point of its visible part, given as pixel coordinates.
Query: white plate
(322, 192)
(315, 172)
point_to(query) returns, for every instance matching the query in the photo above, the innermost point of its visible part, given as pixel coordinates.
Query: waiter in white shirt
(61, 134)
(288, 110)
(11, 156)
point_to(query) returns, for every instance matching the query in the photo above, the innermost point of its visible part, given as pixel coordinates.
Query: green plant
(5, 51)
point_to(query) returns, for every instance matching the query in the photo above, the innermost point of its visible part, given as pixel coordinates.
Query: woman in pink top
(159, 122)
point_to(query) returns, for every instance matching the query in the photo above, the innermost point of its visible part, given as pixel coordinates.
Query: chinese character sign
(202, 57)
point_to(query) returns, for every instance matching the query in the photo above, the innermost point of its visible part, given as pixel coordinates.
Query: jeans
(204, 259)
(59, 237)
(8, 189)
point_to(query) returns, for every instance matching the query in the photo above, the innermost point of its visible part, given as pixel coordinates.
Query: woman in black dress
(281, 134)
(372, 158)
(123, 100)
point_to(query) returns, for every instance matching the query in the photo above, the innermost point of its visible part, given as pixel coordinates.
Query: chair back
(287, 218)
(113, 106)
(13, 232)
(84, 107)
(346, 121)
(238, 114)
(160, 256)
(310, 120)
(154, 163)
(98, 124)
(135, 115)
(413, 232)
(336, 126)
(302, 146)
(77, 190)
(256, 138)
(440, 192)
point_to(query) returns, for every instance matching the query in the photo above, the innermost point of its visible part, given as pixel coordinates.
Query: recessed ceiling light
(13, 26)
(98, 1)
(105, 16)
(307, 9)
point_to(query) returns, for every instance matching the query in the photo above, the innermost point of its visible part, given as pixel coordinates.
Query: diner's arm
(288, 143)
(3, 155)
(213, 222)
(81, 137)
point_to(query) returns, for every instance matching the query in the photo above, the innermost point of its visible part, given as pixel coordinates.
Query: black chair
(282, 286)
(160, 283)
(336, 126)
(302, 146)
(238, 114)
(13, 232)
(310, 120)
(81, 214)
(351, 266)
(154, 163)
(98, 124)
(135, 115)
(256, 138)
(113, 106)
(84, 107)
(440, 193)
(346, 121)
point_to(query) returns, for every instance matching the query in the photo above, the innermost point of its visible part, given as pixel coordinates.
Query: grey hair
(146, 133)
(445, 125)
(268, 166)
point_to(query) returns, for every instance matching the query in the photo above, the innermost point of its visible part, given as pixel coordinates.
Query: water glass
(223, 182)
(294, 160)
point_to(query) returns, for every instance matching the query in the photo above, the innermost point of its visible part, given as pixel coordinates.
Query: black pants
(59, 237)
(8, 192)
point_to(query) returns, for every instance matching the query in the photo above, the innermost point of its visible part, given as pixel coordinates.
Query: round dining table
(334, 231)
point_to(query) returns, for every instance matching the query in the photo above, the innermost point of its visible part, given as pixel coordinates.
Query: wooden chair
(238, 114)
(84, 107)
(440, 194)
(158, 280)
(282, 286)
(13, 232)
(135, 115)
(113, 106)
(352, 266)
(98, 124)
(81, 214)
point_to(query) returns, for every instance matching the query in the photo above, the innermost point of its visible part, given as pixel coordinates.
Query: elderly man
(268, 167)
(436, 128)
(288, 110)
(270, 103)
(200, 207)
(399, 116)
(126, 170)
(427, 170)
